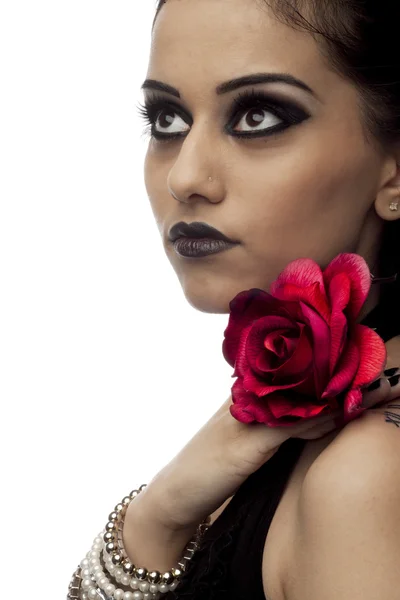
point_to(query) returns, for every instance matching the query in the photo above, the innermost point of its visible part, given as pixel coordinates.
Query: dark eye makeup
(288, 112)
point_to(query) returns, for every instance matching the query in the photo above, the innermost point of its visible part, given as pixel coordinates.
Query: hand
(224, 452)
(376, 398)
(381, 394)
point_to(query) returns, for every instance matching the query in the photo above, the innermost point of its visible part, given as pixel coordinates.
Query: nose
(195, 173)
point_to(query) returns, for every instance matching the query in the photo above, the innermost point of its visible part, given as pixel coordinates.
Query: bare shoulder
(366, 452)
(348, 520)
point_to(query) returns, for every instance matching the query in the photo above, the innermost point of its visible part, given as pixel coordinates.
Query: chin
(213, 298)
(207, 306)
(210, 289)
(208, 303)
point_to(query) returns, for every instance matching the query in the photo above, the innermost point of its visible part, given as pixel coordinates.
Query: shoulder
(368, 446)
(366, 453)
(346, 543)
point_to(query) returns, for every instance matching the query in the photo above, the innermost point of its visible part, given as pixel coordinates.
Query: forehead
(219, 39)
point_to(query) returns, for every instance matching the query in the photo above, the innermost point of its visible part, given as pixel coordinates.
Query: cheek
(334, 170)
(155, 183)
(306, 199)
(150, 174)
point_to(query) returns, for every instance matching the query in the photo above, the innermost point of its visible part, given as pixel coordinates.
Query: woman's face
(301, 184)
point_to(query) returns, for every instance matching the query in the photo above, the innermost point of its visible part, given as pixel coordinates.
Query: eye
(169, 122)
(164, 119)
(258, 119)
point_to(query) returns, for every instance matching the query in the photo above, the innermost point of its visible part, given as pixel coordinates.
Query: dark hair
(360, 40)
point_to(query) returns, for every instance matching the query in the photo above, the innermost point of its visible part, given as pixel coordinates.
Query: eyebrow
(234, 84)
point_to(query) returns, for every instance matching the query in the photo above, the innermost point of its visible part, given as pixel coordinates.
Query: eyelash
(288, 112)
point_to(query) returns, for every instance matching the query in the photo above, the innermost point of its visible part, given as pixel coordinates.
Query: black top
(228, 565)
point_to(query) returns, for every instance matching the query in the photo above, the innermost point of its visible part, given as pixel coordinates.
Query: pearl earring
(394, 206)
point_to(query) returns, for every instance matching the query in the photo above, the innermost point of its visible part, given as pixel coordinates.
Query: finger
(327, 419)
(318, 432)
(382, 390)
(320, 426)
(394, 381)
(377, 392)
(320, 419)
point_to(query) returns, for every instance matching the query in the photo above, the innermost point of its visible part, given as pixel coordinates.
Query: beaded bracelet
(107, 573)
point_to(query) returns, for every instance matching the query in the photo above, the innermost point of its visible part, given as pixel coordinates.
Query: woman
(277, 123)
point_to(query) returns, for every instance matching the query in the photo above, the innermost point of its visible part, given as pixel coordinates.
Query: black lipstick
(196, 231)
(196, 240)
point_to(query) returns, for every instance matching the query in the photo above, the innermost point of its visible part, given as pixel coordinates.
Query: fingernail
(374, 385)
(394, 380)
(390, 372)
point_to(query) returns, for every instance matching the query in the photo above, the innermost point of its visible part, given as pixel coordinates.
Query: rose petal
(273, 341)
(246, 409)
(279, 344)
(301, 359)
(282, 348)
(339, 292)
(307, 386)
(252, 413)
(373, 355)
(302, 272)
(294, 405)
(310, 296)
(289, 344)
(352, 405)
(346, 371)
(241, 365)
(245, 308)
(286, 376)
(358, 273)
(303, 280)
(240, 395)
(285, 345)
(372, 360)
(260, 387)
(320, 347)
(338, 332)
(254, 345)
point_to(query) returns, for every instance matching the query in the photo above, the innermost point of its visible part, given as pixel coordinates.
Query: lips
(196, 231)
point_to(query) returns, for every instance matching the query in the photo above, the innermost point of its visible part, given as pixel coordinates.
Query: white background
(105, 370)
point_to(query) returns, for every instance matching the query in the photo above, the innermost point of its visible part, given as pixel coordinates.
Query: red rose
(298, 351)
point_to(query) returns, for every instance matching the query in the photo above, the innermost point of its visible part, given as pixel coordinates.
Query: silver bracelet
(106, 572)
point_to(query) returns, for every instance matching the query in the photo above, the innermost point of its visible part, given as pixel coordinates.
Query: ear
(387, 202)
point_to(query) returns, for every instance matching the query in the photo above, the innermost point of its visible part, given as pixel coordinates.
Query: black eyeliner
(288, 111)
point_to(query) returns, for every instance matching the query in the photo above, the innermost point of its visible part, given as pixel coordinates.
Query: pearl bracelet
(107, 573)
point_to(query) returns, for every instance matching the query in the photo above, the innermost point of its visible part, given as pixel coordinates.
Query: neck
(393, 345)
(371, 302)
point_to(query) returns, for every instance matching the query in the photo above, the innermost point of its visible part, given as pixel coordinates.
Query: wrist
(176, 507)
(150, 540)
